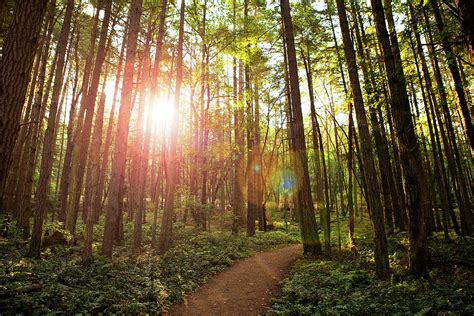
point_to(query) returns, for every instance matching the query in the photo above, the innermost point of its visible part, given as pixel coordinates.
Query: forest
(237, 157)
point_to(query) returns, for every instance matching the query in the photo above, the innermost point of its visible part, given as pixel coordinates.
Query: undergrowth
(346, 283)
(147, 283)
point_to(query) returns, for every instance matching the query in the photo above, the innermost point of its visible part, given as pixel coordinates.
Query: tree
(171, 165)
(113, 213)
(309, 233)
(83, 138)
(374, 204)
(50, 135)
(418, 201)
(466, 13)
(18, 54)
(455, 73)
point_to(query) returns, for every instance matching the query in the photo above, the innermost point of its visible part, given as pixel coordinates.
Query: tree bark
(24, 187)
(50, 134)
(466, 13)
(373, 195)
(418, 201)
(115, 196)
(167, 222)
(309, 230)
(88, 103)
(73, 134)
(18, 53)
(439, 168)
(454, 69)
(449, 139)
(137, 151)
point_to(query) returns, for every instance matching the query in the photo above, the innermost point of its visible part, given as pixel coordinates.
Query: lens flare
(162, 112)
(285, 181)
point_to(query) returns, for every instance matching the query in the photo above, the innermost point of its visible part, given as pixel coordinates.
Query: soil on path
(244, 289)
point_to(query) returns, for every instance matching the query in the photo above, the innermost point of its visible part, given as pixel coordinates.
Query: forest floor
(213, 266)
(246, 288)
(345, 283)
(130, 284)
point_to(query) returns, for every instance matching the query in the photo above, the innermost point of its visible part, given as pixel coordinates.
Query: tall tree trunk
(17, 168)
(50, 135)
(418, 201)
(167, 222)
(155, 94)
(380, 135)
(92, 177)
(449, 137)
(24, 186)
(466, 13)
(73, 134)
(317, 148)
(109, 136)
(443, 190)
(258, 168)
(18, 53)
(89, 103)
(138, 167)
(251, 194)
(373, 195)
(237, 194)
(350, 159)
(454, 69)
(309, 230)
(237, 179)
(381, 149)
(115, 195)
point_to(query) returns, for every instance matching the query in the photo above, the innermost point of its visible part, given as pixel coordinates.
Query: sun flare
(162, 111)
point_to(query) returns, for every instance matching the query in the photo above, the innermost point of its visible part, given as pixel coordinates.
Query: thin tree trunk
(309, 230)
(374, 204)
(115, 195)
(443, 191)
(73, 135)
(350, 158)
(418, 202)
(317, 148)
(453, 68)
(449, 141)
(92, 177)
(24, 186)
(167, 222)
(49, 137)
(89, 103)
(137, 150)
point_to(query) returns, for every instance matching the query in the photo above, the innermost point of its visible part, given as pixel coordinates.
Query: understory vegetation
(147, 283)
(345, 282)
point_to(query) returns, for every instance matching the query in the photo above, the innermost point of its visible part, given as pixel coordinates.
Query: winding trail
(246, 288)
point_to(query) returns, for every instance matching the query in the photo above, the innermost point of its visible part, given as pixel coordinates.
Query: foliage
(147, 283)
(345, 287)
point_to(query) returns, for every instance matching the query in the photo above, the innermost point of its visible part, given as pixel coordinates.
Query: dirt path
(244, 289)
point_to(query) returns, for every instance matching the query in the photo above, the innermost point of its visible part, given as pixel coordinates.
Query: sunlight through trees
(122, 122)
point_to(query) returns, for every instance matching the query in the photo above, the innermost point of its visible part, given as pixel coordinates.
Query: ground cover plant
(345, 283)
(131, 284)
